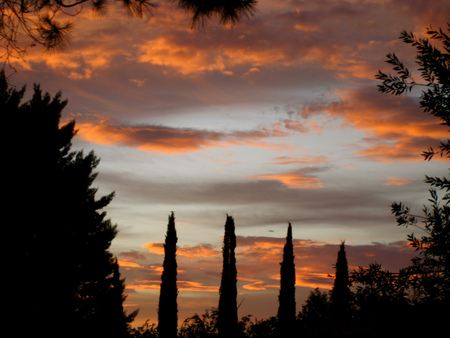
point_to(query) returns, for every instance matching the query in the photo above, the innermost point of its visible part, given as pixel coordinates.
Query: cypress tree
(287, 306)
(340, 294)
(227, 320)
(168, 309)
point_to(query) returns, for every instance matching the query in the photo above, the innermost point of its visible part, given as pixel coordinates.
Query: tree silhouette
(168, 310)
(40, 21)
(380, 291)
(315, 311)
(428, 275)
(430, 272)
(115, 320)
(59, 265)
(340, 294)
(287, 306)
(227, 319)
(200, 326)
(434, 67)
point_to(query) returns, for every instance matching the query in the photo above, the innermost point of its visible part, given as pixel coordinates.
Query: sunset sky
(275, 120)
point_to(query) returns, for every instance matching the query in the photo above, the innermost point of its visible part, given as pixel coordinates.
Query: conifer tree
(287, 305)
(168, 310)
(59, 274)
(227, 319)
(340, 294)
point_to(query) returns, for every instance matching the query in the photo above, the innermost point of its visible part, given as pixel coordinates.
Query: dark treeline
(62, 280)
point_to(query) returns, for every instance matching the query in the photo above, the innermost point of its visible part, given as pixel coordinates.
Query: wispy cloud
(396, 180)
(292, 179)
(168, 140)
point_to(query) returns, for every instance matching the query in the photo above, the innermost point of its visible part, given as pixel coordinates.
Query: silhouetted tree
(203, 326)
(58, 238)
(40, 21)
(227, 319)
(263, 328)
(146, 330)
(428, 277)
(430, 272)
(287, 306)
(115, 320)
(340, 294)
(434, 67)
(315, 311)
(168, 310)
(380, 291)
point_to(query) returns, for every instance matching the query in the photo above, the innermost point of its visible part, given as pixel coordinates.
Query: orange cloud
(200, 250)
(395, 126)
(292, 179)
(126, 263)
(396, 180)
(156, 248)
(183, 58)
(173, 140)
(257, 285)
(145, 285)
(187, 60)
(302, 160)
(196, 286)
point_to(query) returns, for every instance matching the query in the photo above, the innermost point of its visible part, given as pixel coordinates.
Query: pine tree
(287, 306)
(227, 317)
(168, 311)
(340, 294)
(60, 237)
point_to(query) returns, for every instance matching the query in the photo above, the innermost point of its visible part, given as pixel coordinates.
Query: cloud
(201, 250)
(395, 127)
(156, 248)
(292, 179)
(168, 140)
(396, 180)
(300, 160)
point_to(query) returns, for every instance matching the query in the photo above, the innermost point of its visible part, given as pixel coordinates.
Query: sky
(275, 120)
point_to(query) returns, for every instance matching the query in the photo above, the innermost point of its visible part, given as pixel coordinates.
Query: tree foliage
(379, 290)
(200, 326)
(60, 272)
(429, 273)
(434, 67)
(49, 23)
(316, 309)
(168, 309)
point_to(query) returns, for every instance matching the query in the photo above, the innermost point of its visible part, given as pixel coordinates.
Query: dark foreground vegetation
(63, 281)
